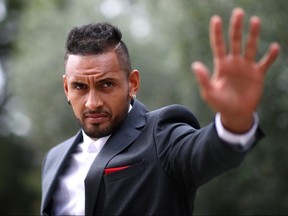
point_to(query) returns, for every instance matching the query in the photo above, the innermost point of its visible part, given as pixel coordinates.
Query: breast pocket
(126, 172)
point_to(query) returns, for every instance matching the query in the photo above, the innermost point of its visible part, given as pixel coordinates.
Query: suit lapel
(125, 135)
(55, 166)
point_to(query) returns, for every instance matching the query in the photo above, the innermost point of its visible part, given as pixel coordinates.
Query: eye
(79, 86)
(108, 84)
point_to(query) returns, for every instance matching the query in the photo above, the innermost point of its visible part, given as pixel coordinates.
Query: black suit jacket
(168, 158)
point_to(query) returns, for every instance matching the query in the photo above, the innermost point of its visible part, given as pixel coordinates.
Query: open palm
(236, 85)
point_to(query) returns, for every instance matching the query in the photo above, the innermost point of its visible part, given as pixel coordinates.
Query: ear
(65, 85)
(134, 83)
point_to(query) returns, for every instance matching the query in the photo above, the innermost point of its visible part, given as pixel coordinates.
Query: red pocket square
(114, 169)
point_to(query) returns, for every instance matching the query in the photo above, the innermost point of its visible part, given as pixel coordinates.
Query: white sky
(139, 26)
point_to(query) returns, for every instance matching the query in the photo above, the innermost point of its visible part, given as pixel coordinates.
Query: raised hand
(237, 83)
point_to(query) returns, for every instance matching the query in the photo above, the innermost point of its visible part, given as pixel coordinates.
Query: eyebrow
(81, 80)
(73, 76)
(77, 82)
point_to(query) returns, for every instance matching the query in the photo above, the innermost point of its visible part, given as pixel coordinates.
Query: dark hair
(95, 39)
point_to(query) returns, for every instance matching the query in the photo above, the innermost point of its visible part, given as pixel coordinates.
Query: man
(126, 160)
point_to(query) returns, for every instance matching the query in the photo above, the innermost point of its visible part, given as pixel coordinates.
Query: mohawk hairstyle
(95, 39)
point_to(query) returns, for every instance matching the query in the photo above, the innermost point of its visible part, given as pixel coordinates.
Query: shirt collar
(86, 138)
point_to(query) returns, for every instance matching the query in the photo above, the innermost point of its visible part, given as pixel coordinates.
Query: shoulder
(174, 114)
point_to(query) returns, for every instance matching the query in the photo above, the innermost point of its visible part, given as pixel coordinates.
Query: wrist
(237, 124)
(244, 139)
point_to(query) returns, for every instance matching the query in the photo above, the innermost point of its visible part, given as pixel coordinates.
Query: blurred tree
(17, 193)
(164, 37)
(259, 186)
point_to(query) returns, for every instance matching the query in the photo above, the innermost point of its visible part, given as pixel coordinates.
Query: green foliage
(18, 195)
(164, 37)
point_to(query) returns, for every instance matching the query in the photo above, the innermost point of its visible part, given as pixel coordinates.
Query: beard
(111, 124)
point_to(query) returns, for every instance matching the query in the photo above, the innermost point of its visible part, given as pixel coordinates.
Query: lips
(96, 118)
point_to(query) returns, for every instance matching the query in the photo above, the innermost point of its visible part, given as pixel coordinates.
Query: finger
(269, 57)
(203, 78)
(236, 31)
(252, 41)
(216, 37)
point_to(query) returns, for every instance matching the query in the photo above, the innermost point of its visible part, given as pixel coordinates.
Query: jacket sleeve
(190, 155)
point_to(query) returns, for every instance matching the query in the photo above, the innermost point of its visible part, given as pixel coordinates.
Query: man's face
(99, 92)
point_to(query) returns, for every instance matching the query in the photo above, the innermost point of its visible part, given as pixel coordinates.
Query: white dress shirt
(69, 198)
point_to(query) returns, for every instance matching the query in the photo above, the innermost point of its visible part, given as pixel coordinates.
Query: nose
(94, 100)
